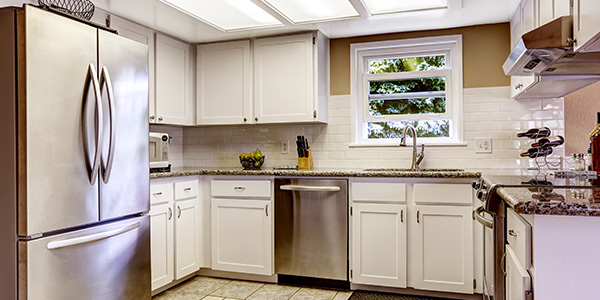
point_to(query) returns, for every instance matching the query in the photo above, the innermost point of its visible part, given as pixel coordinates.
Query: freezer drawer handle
(479, 217)
(92, 237)
(308, 188)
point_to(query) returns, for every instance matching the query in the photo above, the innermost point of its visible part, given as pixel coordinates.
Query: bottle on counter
(535, 133)
(547, 142)
(537, 152)
(595, 146)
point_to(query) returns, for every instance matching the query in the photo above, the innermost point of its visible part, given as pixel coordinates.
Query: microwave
(159, 151)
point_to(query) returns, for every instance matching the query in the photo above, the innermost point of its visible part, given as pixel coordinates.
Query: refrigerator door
(124, 176)
(55, 116)
(107, 262)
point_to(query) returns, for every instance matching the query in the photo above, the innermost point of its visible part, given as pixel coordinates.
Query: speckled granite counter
(557, 202)
(425, 173)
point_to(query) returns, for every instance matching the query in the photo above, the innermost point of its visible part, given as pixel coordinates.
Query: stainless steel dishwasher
(311, 231)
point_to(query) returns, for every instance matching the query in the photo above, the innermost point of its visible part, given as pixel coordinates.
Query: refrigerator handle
(93, 77)
(92, 237)
(105, 79)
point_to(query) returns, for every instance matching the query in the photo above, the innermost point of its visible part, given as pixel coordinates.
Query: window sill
(395, 145)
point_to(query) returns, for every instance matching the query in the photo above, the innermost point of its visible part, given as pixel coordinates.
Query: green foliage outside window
(424, 105)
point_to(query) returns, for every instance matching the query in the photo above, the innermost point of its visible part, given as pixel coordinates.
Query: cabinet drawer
(440, 193)
(186, 189)
(518, 235)
(161, 193)
(378, 191)
(240, 188)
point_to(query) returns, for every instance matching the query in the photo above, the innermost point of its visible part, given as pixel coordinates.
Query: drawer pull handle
(267, 210)
(170, 213)
(178, 212)
(418, 217)
(239, 188)
(402, 216)
(187, 189)
(157, 194)
(513, 233)
(502, 264)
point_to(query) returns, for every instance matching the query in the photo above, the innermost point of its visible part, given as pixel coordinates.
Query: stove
(492, 212)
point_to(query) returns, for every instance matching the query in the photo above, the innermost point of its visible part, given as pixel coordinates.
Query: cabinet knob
(245, 119)
(160, 119)
(512, 233)
(152, 118)
(256, 119)
(518, 86)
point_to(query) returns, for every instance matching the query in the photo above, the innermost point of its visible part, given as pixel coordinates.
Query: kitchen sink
(412, 170)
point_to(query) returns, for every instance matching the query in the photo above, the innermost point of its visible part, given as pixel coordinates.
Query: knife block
(306, 163)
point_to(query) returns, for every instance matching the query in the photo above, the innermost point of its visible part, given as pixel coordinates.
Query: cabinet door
(161, 241)
(518, 281)
(145, 36)
(516, 28)
(586, 22)
(529, 15)
(379, 244)
(174, 104)
(443, 248)
(241, 236)
(546, 11)
(284, 79)
(224, 83)
(187, 238)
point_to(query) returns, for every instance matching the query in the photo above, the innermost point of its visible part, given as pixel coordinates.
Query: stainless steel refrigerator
(74, 185)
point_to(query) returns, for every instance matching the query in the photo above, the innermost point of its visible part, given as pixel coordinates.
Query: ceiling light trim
(289, 19)
(399, 11)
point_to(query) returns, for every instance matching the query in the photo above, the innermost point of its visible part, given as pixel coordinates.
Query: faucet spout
(416, 158)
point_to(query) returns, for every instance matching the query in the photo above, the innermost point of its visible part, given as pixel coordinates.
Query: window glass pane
(380, 107)
(407, 64)
(425, 128)
(414, 85)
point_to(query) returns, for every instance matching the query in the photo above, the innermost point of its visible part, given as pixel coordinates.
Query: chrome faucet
(416, 158)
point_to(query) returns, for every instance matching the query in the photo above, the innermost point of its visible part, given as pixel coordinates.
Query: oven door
(488, 251)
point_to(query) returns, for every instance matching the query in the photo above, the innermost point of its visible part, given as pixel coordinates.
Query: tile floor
(208, 288)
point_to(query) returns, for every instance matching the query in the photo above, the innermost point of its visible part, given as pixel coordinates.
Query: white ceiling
(157, 15)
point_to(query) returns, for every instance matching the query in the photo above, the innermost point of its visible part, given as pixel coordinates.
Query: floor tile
(343, 295)
(274, 292)
(238, 289)
(212, 298)
(203, 285)
(314, 294)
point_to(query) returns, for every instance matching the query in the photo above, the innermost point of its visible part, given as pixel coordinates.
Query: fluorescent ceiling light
(226, 14)
(393, 6)
(304, 11)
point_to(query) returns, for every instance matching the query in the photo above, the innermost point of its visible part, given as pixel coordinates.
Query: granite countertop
(424, 173)
(555, 202)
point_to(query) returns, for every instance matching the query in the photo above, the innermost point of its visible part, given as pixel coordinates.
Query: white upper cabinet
(586, 24)
(525, 19)
(290, 78)
(173, 97)
(224, 83)
(145, 36)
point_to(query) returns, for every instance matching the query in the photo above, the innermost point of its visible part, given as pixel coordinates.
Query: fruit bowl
(252, 161)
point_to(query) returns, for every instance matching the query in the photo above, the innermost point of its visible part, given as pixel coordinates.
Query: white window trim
(450, 45)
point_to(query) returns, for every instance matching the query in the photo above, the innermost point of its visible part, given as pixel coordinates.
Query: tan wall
(485, 48)
(580, 117)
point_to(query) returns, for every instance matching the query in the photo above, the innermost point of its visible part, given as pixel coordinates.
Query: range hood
(547, 53)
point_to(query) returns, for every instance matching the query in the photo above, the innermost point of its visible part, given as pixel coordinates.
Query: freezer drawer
(107, 262)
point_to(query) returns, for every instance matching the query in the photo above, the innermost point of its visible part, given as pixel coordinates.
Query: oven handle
(478, 215)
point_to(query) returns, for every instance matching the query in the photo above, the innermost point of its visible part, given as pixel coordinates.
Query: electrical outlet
(285, 147)
(483, 145)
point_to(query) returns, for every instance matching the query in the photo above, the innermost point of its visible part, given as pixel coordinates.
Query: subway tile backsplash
(488, 112)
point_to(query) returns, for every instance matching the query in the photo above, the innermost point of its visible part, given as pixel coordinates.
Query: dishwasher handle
(309, 188)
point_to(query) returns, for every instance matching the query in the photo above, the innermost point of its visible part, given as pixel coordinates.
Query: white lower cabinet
(242, 226)
(379, 244)
(174, 230)
(417, 235)
(443, 248)
(518, 280)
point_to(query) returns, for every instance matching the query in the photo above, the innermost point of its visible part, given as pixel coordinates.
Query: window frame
(362, 53)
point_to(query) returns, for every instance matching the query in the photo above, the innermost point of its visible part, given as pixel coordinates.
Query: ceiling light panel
(227, 15)
(393, 6)
(306, 11)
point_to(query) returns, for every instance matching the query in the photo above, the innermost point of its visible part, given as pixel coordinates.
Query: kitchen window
(411, 81)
